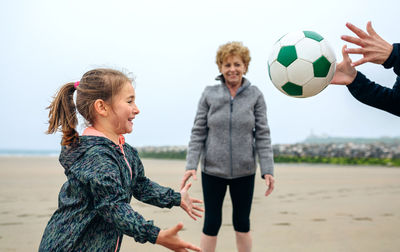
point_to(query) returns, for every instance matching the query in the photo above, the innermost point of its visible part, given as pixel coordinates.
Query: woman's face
(233, 69)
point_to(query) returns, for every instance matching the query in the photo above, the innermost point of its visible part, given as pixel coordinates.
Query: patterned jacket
(375, 95)
(93, 205)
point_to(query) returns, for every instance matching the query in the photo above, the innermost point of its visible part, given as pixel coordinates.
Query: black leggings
(241, 191)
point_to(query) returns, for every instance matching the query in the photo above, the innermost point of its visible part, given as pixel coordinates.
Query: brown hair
(95, 84)
(232, 49)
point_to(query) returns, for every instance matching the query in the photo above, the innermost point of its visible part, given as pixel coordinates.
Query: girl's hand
(169, 238)
(345, 73)
(186, 176)
(270, 182)
(187, 203)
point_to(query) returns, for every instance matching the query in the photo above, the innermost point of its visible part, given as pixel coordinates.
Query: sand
(313, 208)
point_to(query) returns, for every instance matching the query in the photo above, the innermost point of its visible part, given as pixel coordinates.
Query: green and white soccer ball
(301, 64)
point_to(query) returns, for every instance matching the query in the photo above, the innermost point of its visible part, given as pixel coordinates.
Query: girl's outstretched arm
(152, 193)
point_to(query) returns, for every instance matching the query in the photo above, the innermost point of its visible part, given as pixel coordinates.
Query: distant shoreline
(378, 153)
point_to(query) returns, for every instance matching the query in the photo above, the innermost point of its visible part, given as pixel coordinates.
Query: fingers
(360, 33)
(270, 189)
(371, 30)
(181, 250)
(192, 247)
(186, 187)
(177, 228)
(359, 62)
(268, 192)
(190, 213)
(197, 214)
(345, 55)
(186, 176)
(352, 40)
(196, 200)
(269, 181)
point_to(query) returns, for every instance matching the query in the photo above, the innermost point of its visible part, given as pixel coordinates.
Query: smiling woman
(230, 128)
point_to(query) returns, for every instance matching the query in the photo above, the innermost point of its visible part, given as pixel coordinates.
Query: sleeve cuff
(153, 234)
(390, 61)
(177, 199)
(360, 78)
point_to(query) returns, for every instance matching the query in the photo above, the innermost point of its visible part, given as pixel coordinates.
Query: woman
(230, 127)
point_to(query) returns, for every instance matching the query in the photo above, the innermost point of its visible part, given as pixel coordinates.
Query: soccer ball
(301, 64)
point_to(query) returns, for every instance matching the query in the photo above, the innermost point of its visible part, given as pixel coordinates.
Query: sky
(170, 47)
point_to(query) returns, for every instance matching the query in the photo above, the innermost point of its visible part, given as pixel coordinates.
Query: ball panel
(278, 74)
(308, 49)
(314, 86)
(291, 38)
(321, 67)
(293, 89)
(274, 54)
(327, 51)
(287, 55)
(313, 35)
(300, 72)
(329, 77)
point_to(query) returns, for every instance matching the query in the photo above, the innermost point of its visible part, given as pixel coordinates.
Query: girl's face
(124, 110)
(233, 69)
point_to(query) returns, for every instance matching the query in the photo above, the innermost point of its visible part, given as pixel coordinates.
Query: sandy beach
(313, 208)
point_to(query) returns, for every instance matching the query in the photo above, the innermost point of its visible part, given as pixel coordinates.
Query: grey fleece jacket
(228, 133)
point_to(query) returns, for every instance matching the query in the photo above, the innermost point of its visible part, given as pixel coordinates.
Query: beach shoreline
(313, 208)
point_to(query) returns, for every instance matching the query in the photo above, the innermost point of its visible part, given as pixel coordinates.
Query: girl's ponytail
(62, 114)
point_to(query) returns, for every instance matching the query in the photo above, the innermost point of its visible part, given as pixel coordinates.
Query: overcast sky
(170, 48)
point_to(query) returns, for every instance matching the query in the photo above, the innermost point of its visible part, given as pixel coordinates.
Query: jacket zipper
(230, 137)
(116, 247)
(130, 170)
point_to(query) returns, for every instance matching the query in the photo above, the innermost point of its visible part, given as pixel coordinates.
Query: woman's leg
(241, 190)
(208, 243)
(214, 190)
(243, 241)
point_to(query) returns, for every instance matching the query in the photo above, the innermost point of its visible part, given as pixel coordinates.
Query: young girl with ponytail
(103, 172)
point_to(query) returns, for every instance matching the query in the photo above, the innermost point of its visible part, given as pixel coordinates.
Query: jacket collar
(246, 83)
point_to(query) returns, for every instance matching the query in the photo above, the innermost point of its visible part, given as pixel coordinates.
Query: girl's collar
(91, 131)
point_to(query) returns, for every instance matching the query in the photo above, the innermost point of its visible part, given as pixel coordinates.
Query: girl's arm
(111, 200)
(150, 192)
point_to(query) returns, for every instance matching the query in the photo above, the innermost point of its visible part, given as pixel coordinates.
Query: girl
(103, 172)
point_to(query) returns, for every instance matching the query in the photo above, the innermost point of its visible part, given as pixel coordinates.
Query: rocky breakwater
(339, 150)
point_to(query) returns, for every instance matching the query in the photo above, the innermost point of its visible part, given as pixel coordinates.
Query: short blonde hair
(232, 49)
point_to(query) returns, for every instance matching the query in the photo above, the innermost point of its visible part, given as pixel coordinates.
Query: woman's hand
(169, 238)
(345, 73)
(187, 203)
(270, 182)
(186, 176)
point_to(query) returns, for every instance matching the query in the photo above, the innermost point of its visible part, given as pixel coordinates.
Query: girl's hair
(95, 84)
(233, 49)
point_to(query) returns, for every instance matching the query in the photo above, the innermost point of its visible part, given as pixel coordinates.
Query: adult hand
(187, 203)
(169, 238)
(270, 182)
(186, 176)
(373, 48)
(345, 73)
